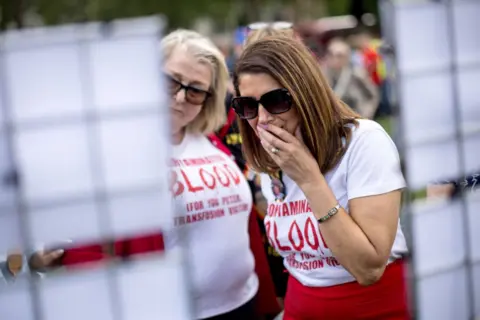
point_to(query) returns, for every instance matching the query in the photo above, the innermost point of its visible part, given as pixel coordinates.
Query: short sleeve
(373, 165)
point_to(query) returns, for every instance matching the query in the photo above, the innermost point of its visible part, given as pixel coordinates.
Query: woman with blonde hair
(212, 198)
(336, 223)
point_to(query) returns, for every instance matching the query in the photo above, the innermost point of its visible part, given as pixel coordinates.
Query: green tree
(11, 12)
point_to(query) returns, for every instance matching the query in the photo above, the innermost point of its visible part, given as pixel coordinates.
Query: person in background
(367, 54)
(336, 223)
(351, 84)
(226, 258)
(239, 37)
(450, 189)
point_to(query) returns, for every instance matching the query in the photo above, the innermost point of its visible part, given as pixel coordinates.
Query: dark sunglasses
(192, 95)
(275, 102)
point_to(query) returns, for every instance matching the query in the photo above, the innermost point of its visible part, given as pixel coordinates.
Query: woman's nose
(264, 116)
(180, 96)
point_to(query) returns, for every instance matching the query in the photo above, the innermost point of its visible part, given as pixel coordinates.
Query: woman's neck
(177, 137)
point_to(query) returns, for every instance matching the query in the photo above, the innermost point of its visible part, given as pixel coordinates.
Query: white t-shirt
(370, 166)
(212, 207)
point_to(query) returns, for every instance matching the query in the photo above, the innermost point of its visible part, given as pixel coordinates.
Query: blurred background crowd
(343, 35)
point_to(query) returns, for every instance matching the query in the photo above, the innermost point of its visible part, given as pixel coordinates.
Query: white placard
(473, 203)
(76, 221)
(476, 286)
(90, 143)
(430, 163)
(466, 24)
(77, 296)
(428, 107)
(438, 235)
(15, 301)
(129, 161)
(150, 210)
(54, 163)
(103, 134)
(45, 84)
(471, 153)
(421, 31)
(146, 302)
(438, 78)
(10, 235)
(443, 296)
(6, 188)
(468, 83)
(126, 74)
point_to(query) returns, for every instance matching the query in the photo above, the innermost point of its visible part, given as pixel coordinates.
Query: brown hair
(326, 122)
(258, 34)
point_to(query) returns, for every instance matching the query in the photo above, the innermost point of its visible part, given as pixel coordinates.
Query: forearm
(348, 243)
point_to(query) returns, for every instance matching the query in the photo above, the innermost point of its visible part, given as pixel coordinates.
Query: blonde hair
(213, 115)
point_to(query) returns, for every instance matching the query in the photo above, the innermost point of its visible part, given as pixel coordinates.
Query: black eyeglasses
(275, 102)
(193, 95)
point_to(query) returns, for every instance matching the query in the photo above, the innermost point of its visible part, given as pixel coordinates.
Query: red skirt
(384, 300)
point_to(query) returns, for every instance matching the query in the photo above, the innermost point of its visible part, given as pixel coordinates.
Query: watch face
(14, 263)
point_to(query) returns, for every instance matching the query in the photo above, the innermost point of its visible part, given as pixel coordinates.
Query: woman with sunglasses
(336, 221)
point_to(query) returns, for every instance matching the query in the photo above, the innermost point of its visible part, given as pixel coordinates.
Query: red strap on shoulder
(215, 140)
(230, 120)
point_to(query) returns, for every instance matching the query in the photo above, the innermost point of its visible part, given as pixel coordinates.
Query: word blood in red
(216, 176)
(298, 237)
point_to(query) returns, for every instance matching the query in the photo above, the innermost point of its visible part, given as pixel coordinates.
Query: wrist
(320, 196)
(314, 184)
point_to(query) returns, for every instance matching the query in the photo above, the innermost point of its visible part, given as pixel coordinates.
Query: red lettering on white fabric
(211, 178)
(209, 182)
(305, 265)
(193, 162)
(233, 174)
(190, 187)
(199, 216)
(332, 262)
(226, 181)
(311, 230)
(294, 228)
(296, 236)
(239, 208)
(290, 208)
(234, 198)
(176, 187)
(213, 202)
(194, 206)
(273, 236)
